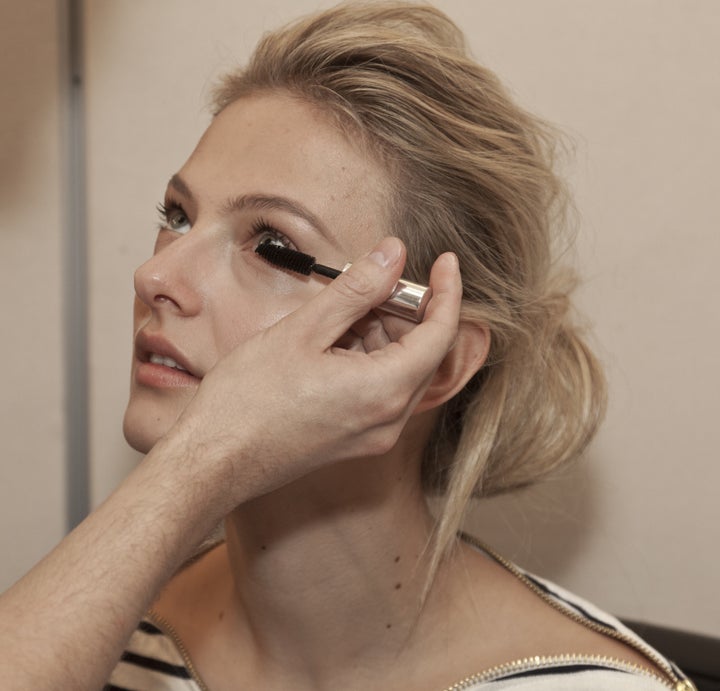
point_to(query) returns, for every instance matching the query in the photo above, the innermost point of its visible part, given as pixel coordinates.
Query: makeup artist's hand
(306, 391)
(278, 406)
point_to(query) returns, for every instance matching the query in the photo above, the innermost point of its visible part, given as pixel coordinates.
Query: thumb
(349, 297)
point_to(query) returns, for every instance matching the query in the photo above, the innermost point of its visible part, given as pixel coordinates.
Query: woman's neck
(320, 580)
(332, 562)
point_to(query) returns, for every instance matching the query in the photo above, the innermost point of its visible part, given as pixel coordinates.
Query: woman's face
(268, 166)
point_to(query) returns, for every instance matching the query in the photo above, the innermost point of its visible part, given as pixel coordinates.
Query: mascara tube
(408, 299)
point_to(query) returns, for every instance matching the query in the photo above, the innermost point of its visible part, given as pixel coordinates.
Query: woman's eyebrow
(263, 202)
(260, 202)
(179, 185)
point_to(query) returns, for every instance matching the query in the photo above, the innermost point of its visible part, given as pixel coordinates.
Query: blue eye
(264, 232)
(173, 217)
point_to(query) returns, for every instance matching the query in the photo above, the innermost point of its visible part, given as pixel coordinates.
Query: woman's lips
(158, 363)
(160, 375)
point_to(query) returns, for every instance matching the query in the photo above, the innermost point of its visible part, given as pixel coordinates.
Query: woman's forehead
(273, 143)
(291, 132)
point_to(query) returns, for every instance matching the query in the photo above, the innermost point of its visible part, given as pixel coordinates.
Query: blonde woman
(315, 426)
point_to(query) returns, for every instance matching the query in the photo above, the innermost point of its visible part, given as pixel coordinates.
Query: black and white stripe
(151, 662)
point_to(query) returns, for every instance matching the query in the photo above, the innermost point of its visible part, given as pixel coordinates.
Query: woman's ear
(460, 364)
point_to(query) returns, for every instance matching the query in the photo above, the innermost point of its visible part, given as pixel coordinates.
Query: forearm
(65, 623)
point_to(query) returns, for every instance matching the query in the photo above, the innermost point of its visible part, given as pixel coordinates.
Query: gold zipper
(517, 666)
(672, 681)
(540, 661)
(169, 631)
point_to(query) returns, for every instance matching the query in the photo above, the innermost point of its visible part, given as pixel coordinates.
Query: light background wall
(635, 84)
(32, 476)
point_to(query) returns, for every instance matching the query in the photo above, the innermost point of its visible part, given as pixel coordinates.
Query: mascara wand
(287, 258)
(408, 300)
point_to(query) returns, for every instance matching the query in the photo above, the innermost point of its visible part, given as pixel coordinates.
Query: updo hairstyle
(471, 172)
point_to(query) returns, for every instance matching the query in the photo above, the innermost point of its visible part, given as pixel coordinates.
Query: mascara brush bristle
(286, 258)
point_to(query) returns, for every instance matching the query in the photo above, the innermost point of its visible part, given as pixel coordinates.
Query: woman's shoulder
(568, 642)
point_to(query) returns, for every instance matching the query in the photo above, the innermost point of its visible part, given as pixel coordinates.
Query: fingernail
(387, 252)
(451, 259)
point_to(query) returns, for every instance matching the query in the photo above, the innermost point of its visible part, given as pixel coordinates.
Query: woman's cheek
(267, 303)
(282, 292)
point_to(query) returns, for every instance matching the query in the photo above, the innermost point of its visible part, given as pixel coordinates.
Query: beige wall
(636, 85)
(32, 475)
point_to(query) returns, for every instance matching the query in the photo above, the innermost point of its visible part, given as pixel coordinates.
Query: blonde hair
(472, 173)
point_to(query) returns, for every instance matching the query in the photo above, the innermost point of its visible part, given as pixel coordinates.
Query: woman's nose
(172, 278)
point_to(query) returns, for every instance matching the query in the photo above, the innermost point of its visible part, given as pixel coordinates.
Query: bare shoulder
(537, 623)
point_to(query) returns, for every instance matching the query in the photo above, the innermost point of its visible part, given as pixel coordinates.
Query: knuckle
(381, 441)
(352, 285)
(392, 408)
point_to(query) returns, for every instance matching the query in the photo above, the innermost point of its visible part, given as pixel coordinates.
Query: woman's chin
(141, 432)
(139, 442)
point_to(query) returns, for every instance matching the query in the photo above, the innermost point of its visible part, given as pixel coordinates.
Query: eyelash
(166, 210)
(259, 227)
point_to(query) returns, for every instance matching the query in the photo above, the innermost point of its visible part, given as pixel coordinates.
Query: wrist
(200, 482)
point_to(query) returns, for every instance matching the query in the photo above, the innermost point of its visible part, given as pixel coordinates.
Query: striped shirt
(155, 658)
